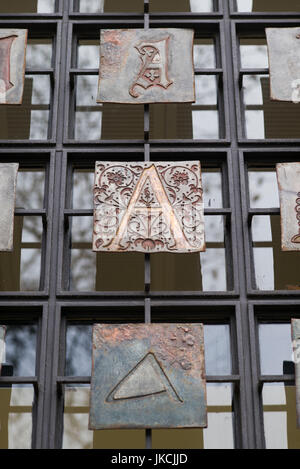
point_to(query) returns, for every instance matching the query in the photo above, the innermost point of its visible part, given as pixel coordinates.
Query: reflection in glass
(275, 346)
(204, 53)
(254, 53)
(274, 269)
(16, 416)
(265, 118)
(28, 6)
(263, 188)
(267, 5)
(217, 349)
(280, 421)
(217, 435)
(88, 53)
(39, 53)
(30, 189)
(20, 349)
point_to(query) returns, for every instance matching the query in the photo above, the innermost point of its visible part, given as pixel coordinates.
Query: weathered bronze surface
(296, 350)
(284, 63)
(148, 207)
(8, 182)
(148, 376)
(146, 66)
(288, 176)
(12, 65)
(2, 337)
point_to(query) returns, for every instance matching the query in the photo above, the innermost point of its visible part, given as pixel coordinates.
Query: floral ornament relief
(148, 207)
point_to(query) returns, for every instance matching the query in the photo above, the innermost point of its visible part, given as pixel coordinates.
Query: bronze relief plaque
(296, 351)
(2, 345)
(288, 176)
(146, 66)
(148, 207)
(8, 182)
(148, 376)
(12, 65)
(284, 63)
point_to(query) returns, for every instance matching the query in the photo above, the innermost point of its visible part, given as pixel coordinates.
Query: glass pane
(193, 272)
(212, 188)
(217, 349)
(39, 53)
(204, 53)
(102, 271)
(274, 269)
(265, 118)
(206, 125)
(194, 6)
(275, 346)
(76, 434)
(206, 90)
(217, 435)
(267, 5)
(263, 188)
(20, 270)
(20, 350)
(30, 189)
(88, 54)
(280, 418)
(30, 119)
(16, 403)
(107, 121)
(254, 53)
(111, 6)
(78, 350)
(28, 6)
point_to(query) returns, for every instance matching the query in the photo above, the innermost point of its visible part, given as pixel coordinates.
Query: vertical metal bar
(147, 256)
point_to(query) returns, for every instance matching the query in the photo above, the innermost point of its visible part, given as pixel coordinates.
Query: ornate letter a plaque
(284, 63)
(148, 207)
(12, 65)
(8, 181)
(146, 66)
(148, 376)
(296, 351)
(2, 337)
(288, 176)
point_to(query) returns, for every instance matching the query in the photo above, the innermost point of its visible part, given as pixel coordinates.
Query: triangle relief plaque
(148, 207)
(148, 376)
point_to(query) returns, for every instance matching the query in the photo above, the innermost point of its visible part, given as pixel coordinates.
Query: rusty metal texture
(288, 176)
(146, 66)
(284, 63)
(12, 65)
(296, 351)
(148, 376)
(8, 182)
(148, 207)
(2, 345)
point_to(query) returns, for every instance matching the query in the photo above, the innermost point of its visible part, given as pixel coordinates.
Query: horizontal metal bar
(87, 379)
(39, 71)
(90, 212)
(276, 378)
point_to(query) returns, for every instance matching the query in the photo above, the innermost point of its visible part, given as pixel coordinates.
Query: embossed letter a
(150, 201)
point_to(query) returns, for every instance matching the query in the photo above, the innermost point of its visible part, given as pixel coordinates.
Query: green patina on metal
(148, 376)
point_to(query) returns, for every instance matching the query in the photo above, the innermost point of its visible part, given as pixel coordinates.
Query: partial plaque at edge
(2, 338)
(296, 350)
(139, 66)
(13, 44)
(148, 376)
(8, 183)
(288, 177)
(284, 63)
(148, 207)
